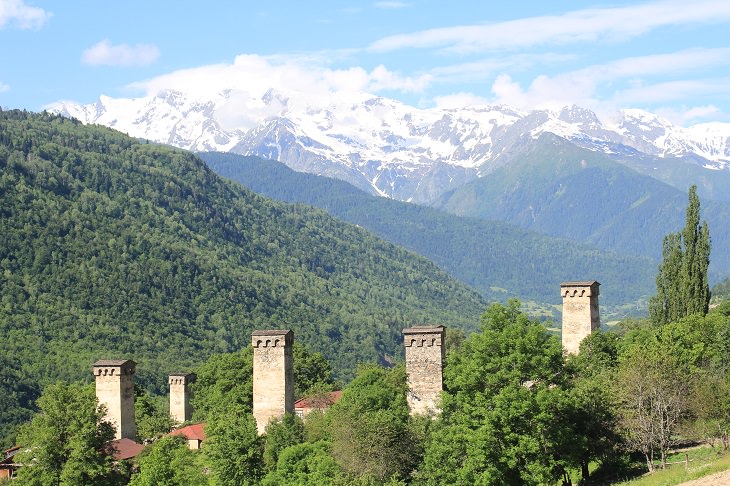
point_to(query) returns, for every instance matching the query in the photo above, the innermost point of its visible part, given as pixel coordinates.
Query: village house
(322, 401)
(194, 434)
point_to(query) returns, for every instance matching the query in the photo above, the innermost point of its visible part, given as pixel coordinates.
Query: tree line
(514, 410)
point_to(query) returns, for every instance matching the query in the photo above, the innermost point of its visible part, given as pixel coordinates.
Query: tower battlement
(273, 375)
(181, 378)
(180, 408)
(272, 339)
(425, 352)
(115, 390)
(113, 367)
(581, 315)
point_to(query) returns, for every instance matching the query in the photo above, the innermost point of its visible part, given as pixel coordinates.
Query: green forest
(557, 188)
(514, 411)
(117, 249)
(479, 252)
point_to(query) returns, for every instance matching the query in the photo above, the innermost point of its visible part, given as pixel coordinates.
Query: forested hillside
(557, 188)
(113, 248)
(500, 260)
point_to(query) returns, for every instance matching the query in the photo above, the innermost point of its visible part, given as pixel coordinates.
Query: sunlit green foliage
(114, 248)
(64, 444)
(169, 462)
(682, 283)
(481, 253)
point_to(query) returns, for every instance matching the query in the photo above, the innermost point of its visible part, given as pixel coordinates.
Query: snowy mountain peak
(383, 145)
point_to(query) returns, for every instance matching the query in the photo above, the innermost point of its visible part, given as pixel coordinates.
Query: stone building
(273, 376)
(425, 353)
(115, 390)
(580, 313)
(180, 409)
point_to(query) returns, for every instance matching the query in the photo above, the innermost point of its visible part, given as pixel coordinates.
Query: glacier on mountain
(384, 146)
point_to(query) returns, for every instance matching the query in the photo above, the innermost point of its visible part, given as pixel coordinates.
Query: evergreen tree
(682, 285)
(696, 240)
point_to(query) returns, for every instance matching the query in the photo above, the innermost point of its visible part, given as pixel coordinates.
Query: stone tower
(115, 390)
(180, 409)
(425, 353)
(273, 376)
(580, 313)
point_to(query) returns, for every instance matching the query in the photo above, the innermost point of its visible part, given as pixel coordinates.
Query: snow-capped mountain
(386, 147)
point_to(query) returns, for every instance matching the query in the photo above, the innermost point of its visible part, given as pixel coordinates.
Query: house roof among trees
(319, 401)
(191, 432)
(125, 448)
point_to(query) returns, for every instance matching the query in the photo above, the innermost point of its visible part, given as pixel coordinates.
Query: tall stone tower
(180, 409)
(273, 376)
(115, 390)
(425, 353)
(580, 313)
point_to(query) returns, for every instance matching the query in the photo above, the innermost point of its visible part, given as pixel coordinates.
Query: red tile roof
(319, 401)
(191, 432)
(125, 448)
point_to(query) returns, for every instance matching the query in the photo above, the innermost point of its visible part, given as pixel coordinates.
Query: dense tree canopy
(513, 412)
(503, 408)
(169, 462)
(65, 443)
(481, 253)
(114, 248)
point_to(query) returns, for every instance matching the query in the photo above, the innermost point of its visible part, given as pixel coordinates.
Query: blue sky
(669, 57)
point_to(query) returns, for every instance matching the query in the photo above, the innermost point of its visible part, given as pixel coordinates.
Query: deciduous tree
(505, 410)
(234, 449)
(169, 462)
(65, 443)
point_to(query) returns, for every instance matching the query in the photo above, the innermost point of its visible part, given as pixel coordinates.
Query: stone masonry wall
(115, 390)
(581, 316)
(424, 349)
(180, 408)
(273, 376)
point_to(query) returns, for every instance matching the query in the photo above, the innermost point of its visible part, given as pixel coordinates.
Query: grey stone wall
(273, 376)
(115, 390)
(424, 349)
(581, 316)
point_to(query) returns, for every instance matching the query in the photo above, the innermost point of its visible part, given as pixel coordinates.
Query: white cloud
(629, 80)
(306, 75)
(459, 100)
(300, 81)
(619, 23)
(104, 53)
(688, 116)
(485, 69)
(4, 87)
(25, 16)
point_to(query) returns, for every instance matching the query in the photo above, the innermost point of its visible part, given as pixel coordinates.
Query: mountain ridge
(498, 259)
(394, 150)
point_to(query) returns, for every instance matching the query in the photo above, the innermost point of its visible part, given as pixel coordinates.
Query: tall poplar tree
(682, 285)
